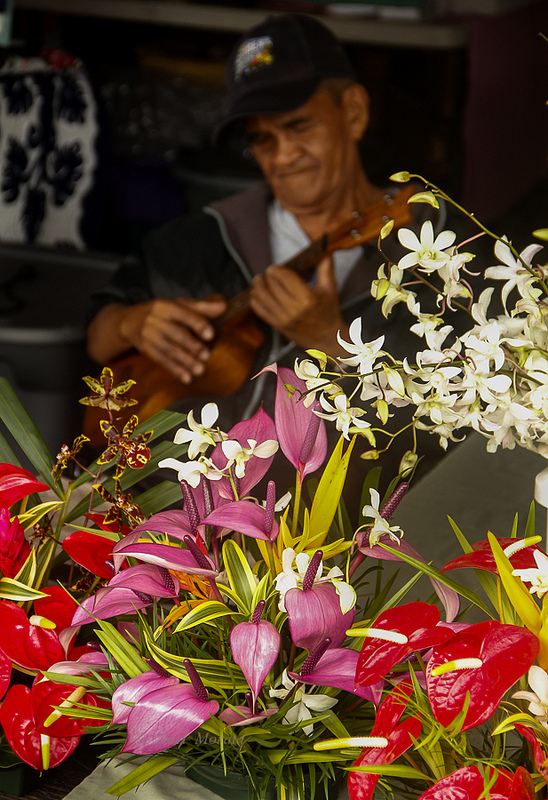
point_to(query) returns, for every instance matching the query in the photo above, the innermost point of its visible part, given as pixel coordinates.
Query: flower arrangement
(261, 634)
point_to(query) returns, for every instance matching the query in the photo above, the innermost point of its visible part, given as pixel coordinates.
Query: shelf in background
(362, 30)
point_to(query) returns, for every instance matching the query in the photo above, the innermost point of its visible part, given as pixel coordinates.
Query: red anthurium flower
(468, 783)
(538, 752)
(58, 606)
(337, 668)
(395, 634)
(45, 695)
(399, 738)
(39, 750)
(91, 550)
(484, 660)
(483, 558)
(14, 548)
(5, 672)
(16, 483)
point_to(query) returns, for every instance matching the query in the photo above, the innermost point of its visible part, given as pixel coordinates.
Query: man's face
(308, 156)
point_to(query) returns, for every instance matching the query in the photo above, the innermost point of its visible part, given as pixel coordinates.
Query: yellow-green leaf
(401, 177)
(520, 598)
(240, 576)
(205, 612)
(121, 650)
(541, 233)
(10, 589)
(425, 197)
(328, 493)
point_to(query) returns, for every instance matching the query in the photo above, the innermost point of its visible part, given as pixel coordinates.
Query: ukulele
(239, 333)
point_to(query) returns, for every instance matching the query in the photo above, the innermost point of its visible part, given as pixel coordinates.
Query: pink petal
(165, 717)
(255, 647)
(260, 428)
(244, 517)
(315, 614)
(134, 689)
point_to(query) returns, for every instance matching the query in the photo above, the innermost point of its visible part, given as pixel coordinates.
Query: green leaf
(508, 724)
(441, 577)
(35, 514)
(120, 649)
(10, 589)
(144, 772)
(240, 576)
(26, 434)
(394, 771)
(205, 612)
(334, 725)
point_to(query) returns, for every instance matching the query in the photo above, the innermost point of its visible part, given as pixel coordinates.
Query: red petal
(47, 694)
(58, 606)
(483, 558)
(468, 783)
(417, 621)
(16, 483)
(25, 644)
(90, 550)
(540, 755)
(506, 652)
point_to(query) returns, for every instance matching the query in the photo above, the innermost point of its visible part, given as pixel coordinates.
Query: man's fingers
(325, 277)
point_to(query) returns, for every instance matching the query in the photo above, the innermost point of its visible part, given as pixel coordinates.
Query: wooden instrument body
(240, 335)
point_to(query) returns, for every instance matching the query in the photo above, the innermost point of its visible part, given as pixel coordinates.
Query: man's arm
(174, 333)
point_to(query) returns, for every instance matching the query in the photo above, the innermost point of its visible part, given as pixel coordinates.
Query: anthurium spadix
(477, 666)
(255, 646)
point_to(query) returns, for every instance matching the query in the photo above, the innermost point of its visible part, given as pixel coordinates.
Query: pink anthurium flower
(521, 553)
(394, 740)
(16, 483)
(14, 548)
(129, 693)
(259, 430)
(165, 716)
(468, 783)
(255, 646)
(335, 667)
(317, 607)
(395, 634)
(301, 433)
(238, 716)
(41, 751)
(484, 661)
(245, 517)
(172, 557)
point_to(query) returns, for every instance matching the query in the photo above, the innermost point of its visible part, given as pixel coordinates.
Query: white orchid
(427, 252)
(363, 354)
(191, 471)
(303, 702)
(239, 455)
(381, 527)
(338, 410)
(538, 698)
(514, 272)
(537, 577)
(201, 434)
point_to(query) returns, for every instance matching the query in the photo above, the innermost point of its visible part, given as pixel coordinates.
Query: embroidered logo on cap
(252, 55)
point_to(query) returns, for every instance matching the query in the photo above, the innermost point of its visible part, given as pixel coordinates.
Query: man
(296, 98)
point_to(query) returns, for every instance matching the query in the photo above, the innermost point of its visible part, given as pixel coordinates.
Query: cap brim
(277, 100)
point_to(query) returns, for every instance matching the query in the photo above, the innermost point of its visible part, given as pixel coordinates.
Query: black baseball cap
(278, 65)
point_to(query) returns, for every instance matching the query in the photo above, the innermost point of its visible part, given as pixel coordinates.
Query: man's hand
(175, 333)
(308, 316)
